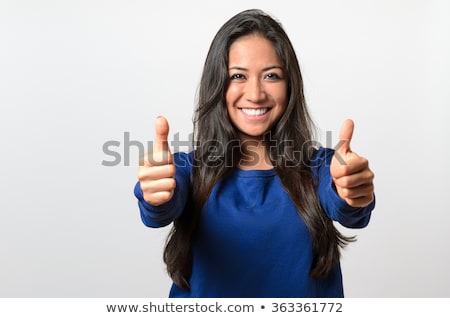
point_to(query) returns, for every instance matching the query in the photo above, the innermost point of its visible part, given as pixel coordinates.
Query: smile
(254, 111)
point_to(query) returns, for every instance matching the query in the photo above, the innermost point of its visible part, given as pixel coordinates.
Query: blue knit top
(251, 240)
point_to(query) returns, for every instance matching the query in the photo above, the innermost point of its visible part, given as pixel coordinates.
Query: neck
(254, 155)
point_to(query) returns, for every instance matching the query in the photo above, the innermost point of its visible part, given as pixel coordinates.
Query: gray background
(77, 74)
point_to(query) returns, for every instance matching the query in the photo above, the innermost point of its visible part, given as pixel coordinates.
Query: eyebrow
(239, 68)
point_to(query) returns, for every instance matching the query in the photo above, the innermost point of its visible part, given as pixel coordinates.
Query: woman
(253, 205)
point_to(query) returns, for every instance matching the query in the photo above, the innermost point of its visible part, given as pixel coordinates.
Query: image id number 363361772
(307, 307)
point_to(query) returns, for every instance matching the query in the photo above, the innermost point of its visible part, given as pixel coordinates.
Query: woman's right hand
(156, 171)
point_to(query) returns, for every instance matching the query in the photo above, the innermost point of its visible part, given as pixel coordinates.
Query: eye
(237, 77)
(272, 76)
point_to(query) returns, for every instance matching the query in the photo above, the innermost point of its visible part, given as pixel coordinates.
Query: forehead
(253, 49)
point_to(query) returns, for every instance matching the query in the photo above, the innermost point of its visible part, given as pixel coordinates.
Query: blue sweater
(251, 240)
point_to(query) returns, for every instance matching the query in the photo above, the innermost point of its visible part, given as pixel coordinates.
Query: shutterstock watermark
(120, 152)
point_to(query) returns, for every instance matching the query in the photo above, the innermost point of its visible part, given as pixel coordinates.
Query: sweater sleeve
(164, 214)
(335, 207)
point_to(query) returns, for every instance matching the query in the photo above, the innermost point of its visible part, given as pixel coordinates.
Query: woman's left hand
(350, 172)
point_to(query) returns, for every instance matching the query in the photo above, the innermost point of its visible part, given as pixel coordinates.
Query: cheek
(227, 98)
(230, 95)
(280, 100)
(283, 96)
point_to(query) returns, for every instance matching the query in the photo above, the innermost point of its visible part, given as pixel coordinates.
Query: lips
(254, 112)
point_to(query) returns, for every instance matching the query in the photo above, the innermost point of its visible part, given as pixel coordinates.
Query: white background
(76, 74)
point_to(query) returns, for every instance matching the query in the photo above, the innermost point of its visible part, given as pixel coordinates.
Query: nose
(255, 91)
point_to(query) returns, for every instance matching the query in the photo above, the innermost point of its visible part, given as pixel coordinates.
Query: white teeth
(255, 112)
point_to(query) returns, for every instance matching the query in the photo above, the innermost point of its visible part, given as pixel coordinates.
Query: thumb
(345, 136)
(162, 132)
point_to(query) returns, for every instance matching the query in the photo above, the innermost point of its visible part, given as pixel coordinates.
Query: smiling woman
(254, 228)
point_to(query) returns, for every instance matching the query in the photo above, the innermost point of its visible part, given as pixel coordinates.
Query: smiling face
(257, 94)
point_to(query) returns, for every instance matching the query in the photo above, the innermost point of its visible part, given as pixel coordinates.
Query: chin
(246, 134)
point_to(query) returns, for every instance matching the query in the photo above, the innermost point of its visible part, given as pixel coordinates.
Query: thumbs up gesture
(351, 174)
(156, 170)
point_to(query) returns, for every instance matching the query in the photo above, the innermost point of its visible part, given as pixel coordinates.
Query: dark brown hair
(213, 130)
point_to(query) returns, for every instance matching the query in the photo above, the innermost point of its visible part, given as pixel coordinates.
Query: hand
(156, 170)
(351, 174)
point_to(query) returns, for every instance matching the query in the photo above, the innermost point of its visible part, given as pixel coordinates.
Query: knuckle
(344, 182)
(171, 170)
(146, 188)
(365, 162)
(345, 169)
(349, 193)
(142, 175)
(344, 193)
(166, 196)
(172, 184)
(148, 198)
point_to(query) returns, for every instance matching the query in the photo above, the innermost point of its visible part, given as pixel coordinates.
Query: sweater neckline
(254, 173)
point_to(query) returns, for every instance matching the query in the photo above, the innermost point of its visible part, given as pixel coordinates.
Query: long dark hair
(216, 138)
